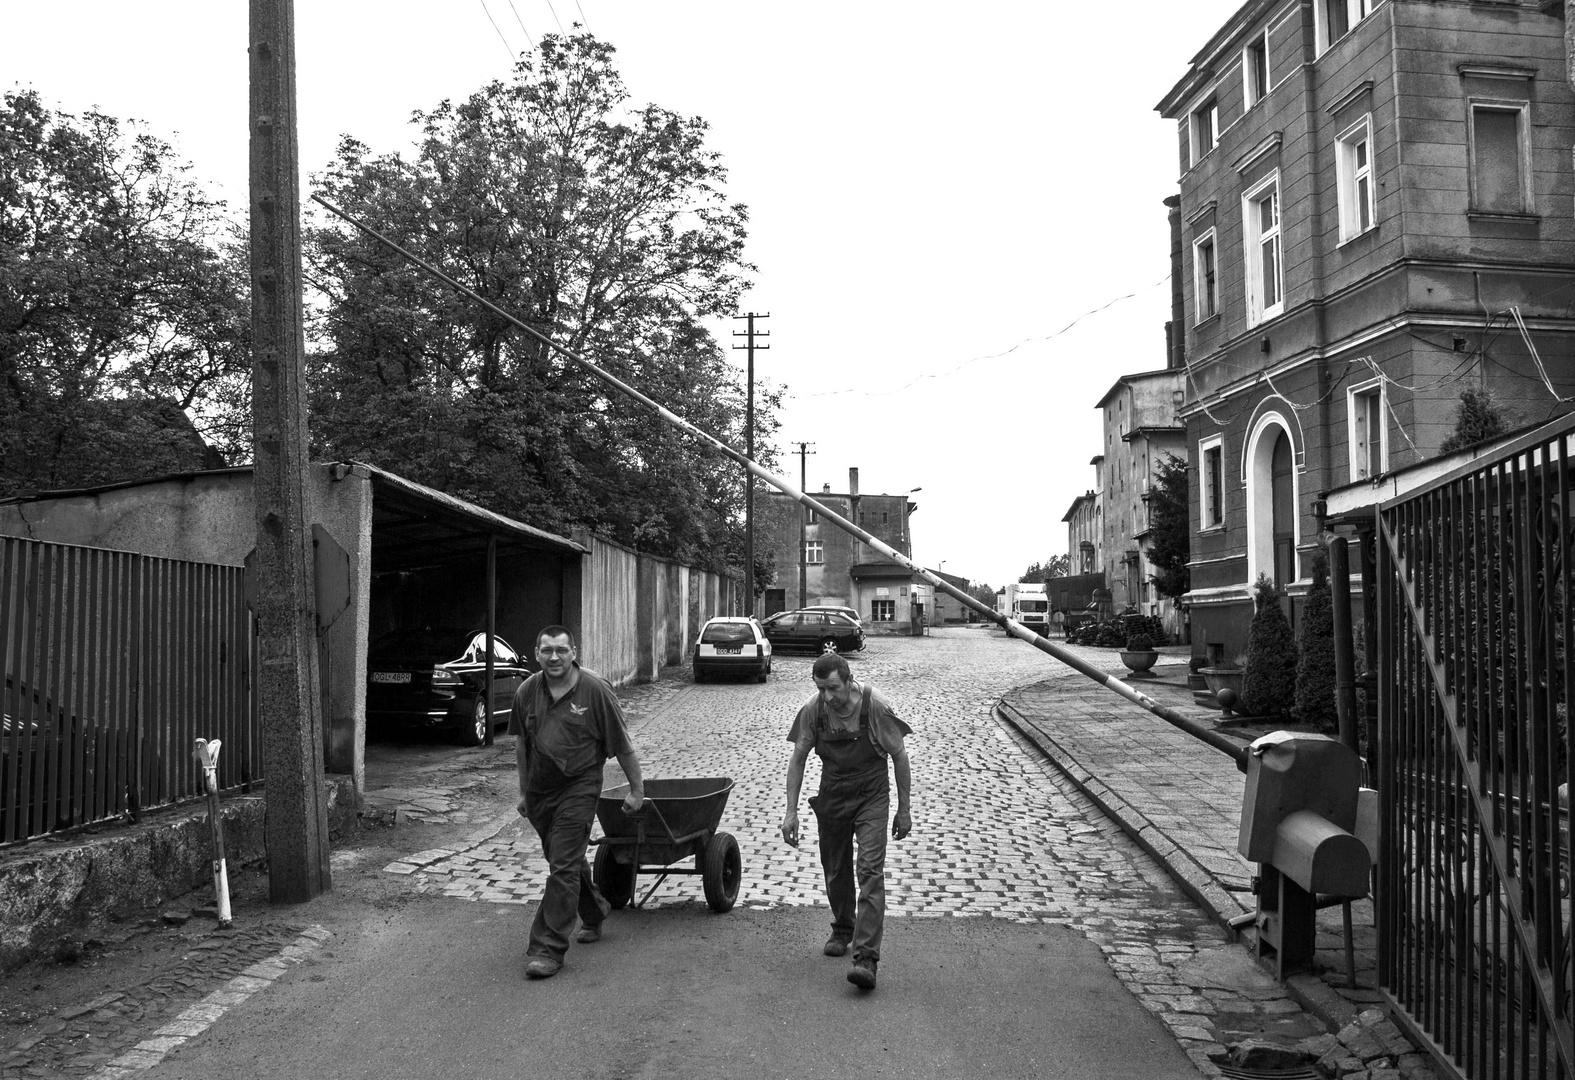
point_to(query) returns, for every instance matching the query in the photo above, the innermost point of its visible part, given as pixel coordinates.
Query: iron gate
(1473, 899)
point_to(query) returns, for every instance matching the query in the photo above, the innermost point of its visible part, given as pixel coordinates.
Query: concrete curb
(1194, 879)
(1310, 992)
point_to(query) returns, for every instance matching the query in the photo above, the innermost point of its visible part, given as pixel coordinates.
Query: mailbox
(1299, 822)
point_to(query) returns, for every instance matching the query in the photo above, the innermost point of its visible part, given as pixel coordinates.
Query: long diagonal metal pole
(1011, 626)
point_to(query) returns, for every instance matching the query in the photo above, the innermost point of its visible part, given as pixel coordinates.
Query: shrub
(1315, 682)
(1269, 688)
(1140, 643)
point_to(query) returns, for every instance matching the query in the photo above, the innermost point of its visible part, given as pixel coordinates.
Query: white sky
(936, 192)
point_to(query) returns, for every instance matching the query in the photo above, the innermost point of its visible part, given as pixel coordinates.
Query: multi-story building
(838, 568)
(1140, 428)
(1083, 528)
(1375, 215)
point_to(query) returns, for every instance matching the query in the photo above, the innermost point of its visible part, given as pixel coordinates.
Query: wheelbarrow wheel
(613, 878)
(721, 871)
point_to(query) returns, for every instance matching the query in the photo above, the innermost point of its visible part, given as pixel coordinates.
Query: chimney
(1175, 332)
(825, 489)
(853, 482)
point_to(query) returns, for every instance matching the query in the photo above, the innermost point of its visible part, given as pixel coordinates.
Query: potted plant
(1139, 653)
(1230, 678)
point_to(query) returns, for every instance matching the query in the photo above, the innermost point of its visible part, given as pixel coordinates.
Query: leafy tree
(1053, 567)
(1269, 685)
(1315, 682)
(1171, 527)
(1478, 418)
(982, 593)
(124, 314)
(612, 237)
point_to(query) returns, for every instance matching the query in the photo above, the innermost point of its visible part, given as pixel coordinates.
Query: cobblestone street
(998, 833)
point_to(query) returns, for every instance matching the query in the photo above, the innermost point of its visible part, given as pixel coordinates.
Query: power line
(506, 46)
(990, 356)
(522, 25)
(555, 18)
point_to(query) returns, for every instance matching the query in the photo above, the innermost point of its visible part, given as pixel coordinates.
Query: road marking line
(200, 1017)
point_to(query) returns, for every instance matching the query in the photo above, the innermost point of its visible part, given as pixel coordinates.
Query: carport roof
(414, 526)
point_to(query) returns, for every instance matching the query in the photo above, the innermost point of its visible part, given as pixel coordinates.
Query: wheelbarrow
(678, 820)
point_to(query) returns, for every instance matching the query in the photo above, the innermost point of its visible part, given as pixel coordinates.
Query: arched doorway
(1273, 524)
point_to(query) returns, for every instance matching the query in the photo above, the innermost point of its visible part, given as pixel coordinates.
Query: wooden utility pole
(803, 528)
(749, 451)
(296, 832)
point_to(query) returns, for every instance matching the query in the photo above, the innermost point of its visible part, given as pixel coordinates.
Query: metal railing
(114, 664)
(1473, 898)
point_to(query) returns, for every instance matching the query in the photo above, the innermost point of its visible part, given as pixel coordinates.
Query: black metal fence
(114, 665)
(1473, 899)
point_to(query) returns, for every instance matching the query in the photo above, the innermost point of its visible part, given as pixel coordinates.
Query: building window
(1211, 483)
(1205, 280)
(810, 517)
(1205, 129)
(1335, 18)
(884, 517)
(1265, 280)
(1354, 161)
(1369, 436)
(1255, 69)
(1500, 167)
(814, 552)
(883, 610)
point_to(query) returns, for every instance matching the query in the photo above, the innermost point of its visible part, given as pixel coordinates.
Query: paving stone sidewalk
(1180, 799)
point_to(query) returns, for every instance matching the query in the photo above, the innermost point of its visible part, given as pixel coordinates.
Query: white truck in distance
(1029, 604)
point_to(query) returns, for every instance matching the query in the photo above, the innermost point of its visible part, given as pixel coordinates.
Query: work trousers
(562, 818)
(856, 889)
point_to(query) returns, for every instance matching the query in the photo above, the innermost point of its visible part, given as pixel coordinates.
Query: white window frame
(1253, 240)
(1214, 443)
(1523, 139)
(1350, 175)
(1203, 312)
(1355, 12)
(1210, 105)
(1355, 417)
(1252, 94)
(814, 552)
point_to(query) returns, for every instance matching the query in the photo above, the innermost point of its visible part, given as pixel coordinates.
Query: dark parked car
(431, 678)
(732, 644)
(849, 612)
(821, 631)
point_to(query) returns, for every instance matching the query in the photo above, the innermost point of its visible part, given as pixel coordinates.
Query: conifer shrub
(1315, 682)
(1269, 687)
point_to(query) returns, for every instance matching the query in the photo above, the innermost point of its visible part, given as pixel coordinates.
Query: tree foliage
(1478, 418)
(1269, 685)
(1315, 681)
(123, 310)
(609, 235)
(1170, 525)
(1053, 567)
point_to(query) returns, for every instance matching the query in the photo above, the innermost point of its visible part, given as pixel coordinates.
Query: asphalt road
(435, 990)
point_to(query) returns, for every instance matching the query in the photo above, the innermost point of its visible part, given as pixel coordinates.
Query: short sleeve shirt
(579, 731)
(886, 728)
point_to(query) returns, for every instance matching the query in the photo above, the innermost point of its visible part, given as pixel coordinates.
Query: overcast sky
(956, 209)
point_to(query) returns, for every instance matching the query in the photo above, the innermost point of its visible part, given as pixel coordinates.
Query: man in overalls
(855, 733)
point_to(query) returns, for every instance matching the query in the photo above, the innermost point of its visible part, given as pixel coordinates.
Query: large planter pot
(1139, 661)
(1232, 679)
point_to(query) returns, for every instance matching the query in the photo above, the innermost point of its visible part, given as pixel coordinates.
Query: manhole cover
(1293, 1072)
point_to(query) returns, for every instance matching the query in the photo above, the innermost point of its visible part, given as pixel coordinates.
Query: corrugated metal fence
(1476, 624)
(114, 665)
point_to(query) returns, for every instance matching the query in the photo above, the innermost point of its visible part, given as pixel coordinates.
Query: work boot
(589, 933)
(863, 973)
(836, 946)
(542, 967)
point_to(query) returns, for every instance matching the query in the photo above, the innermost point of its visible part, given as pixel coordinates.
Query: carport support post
(492, 628)
(296, 831)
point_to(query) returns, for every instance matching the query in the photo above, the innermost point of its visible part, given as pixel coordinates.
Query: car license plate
(722, 651)
(391, 676)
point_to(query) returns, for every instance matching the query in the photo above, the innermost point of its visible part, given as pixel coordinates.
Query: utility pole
(749, 450)
(296, 831)
(803, 529)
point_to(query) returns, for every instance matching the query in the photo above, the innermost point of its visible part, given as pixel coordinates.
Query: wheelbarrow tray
(679, 817)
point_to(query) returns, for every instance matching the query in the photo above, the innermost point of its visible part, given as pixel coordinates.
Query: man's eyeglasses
(543, 650)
